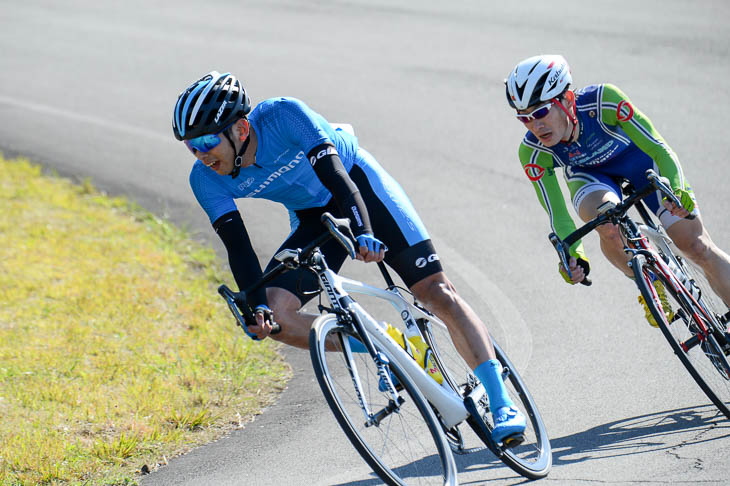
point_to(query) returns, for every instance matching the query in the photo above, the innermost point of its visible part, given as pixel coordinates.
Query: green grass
(115, 349)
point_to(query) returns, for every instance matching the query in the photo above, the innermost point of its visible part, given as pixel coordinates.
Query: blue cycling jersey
(286, 130)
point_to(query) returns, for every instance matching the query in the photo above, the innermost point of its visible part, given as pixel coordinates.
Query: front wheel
(683, 323)
(533, 457)
(405, 445)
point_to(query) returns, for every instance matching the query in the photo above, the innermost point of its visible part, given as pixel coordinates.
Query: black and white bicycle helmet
(537, 79)
(209, 105)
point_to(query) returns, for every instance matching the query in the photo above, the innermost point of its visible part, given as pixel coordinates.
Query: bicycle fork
(395, 401)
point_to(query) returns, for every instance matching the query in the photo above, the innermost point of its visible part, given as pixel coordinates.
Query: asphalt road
(87, 88)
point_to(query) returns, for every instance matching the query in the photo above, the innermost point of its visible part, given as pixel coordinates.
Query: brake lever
(658, 182)
(232, 299)
(560, 248)
(340, 230)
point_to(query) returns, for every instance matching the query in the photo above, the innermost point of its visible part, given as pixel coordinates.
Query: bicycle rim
(705, 360)
(532, 458)
(407, 447)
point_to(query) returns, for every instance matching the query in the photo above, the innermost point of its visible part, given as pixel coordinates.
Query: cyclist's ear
(568, 96)
(241, 128)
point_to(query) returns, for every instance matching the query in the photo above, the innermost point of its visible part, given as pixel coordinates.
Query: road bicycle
(402, 422)
(695, 322)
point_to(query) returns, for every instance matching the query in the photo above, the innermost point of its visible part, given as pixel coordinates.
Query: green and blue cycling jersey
(615, 141)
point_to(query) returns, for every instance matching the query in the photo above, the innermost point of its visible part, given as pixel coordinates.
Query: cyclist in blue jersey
(283, 151)
(600, 137)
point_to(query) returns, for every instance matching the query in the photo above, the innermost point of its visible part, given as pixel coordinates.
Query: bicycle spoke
(690, 334)
(397, 440)
(532, 458)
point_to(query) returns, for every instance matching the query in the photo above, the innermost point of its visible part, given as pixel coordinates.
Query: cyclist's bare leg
(295, 323)
(692, 238)
(611, 242)
(468, 332)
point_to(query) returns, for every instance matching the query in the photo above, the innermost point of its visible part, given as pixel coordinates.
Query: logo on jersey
(627, 114)
(325, 151)
(534, 172)
(282, 170)
(243, 185)
(220, 111)
(422, 262)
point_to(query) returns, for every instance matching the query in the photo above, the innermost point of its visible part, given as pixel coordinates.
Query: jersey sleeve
(300, 125)
(539, 168)
(617, 109)
(212, 197)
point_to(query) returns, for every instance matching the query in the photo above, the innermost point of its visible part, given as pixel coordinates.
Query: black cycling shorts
(411, 261)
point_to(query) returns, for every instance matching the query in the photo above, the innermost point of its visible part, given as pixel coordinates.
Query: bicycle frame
(636, 242)
(647, 250)
(449, 404)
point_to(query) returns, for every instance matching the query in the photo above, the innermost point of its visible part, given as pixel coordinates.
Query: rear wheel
(533, 457)
(405, 443)
(684, 325)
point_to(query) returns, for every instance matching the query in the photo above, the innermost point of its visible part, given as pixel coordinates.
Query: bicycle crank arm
(479, 425)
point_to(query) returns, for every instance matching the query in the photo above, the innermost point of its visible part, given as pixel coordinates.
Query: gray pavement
(87, 88)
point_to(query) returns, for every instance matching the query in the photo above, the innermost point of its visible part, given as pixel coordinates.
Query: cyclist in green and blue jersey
(600, 138)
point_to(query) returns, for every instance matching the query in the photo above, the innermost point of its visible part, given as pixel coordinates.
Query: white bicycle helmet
(537, 79)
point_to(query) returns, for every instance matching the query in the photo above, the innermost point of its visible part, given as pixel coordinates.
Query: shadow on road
(643, 434)
(661, 431)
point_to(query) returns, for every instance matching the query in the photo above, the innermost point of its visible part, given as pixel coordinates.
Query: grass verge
(115, 349)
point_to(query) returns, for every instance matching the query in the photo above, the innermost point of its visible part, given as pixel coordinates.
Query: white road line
(78, 117)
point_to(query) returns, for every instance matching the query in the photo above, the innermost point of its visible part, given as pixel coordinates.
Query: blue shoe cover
(509, 423)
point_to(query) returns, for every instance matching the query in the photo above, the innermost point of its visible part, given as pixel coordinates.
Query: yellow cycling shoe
(666, 306)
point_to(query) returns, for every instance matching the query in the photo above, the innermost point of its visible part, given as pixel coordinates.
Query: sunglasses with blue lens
(205, 143)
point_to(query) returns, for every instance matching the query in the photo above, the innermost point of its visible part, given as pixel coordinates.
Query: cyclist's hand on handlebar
(579, 269)
(688, 203)
(264, 322)
(370, 249)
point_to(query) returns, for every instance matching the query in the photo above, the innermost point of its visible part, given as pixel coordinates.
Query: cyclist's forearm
(331, 172)
(241, 255)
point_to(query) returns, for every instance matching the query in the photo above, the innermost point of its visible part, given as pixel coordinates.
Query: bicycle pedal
(513, 441)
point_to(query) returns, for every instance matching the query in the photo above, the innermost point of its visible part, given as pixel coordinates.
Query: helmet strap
(571, 116)
(239, 156)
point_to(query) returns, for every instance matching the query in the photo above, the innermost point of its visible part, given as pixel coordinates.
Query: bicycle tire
(706, 362)
(531, 459)
(406, 445)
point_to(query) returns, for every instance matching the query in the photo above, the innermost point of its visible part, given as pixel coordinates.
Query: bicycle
(696, 322)
(405, 428)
